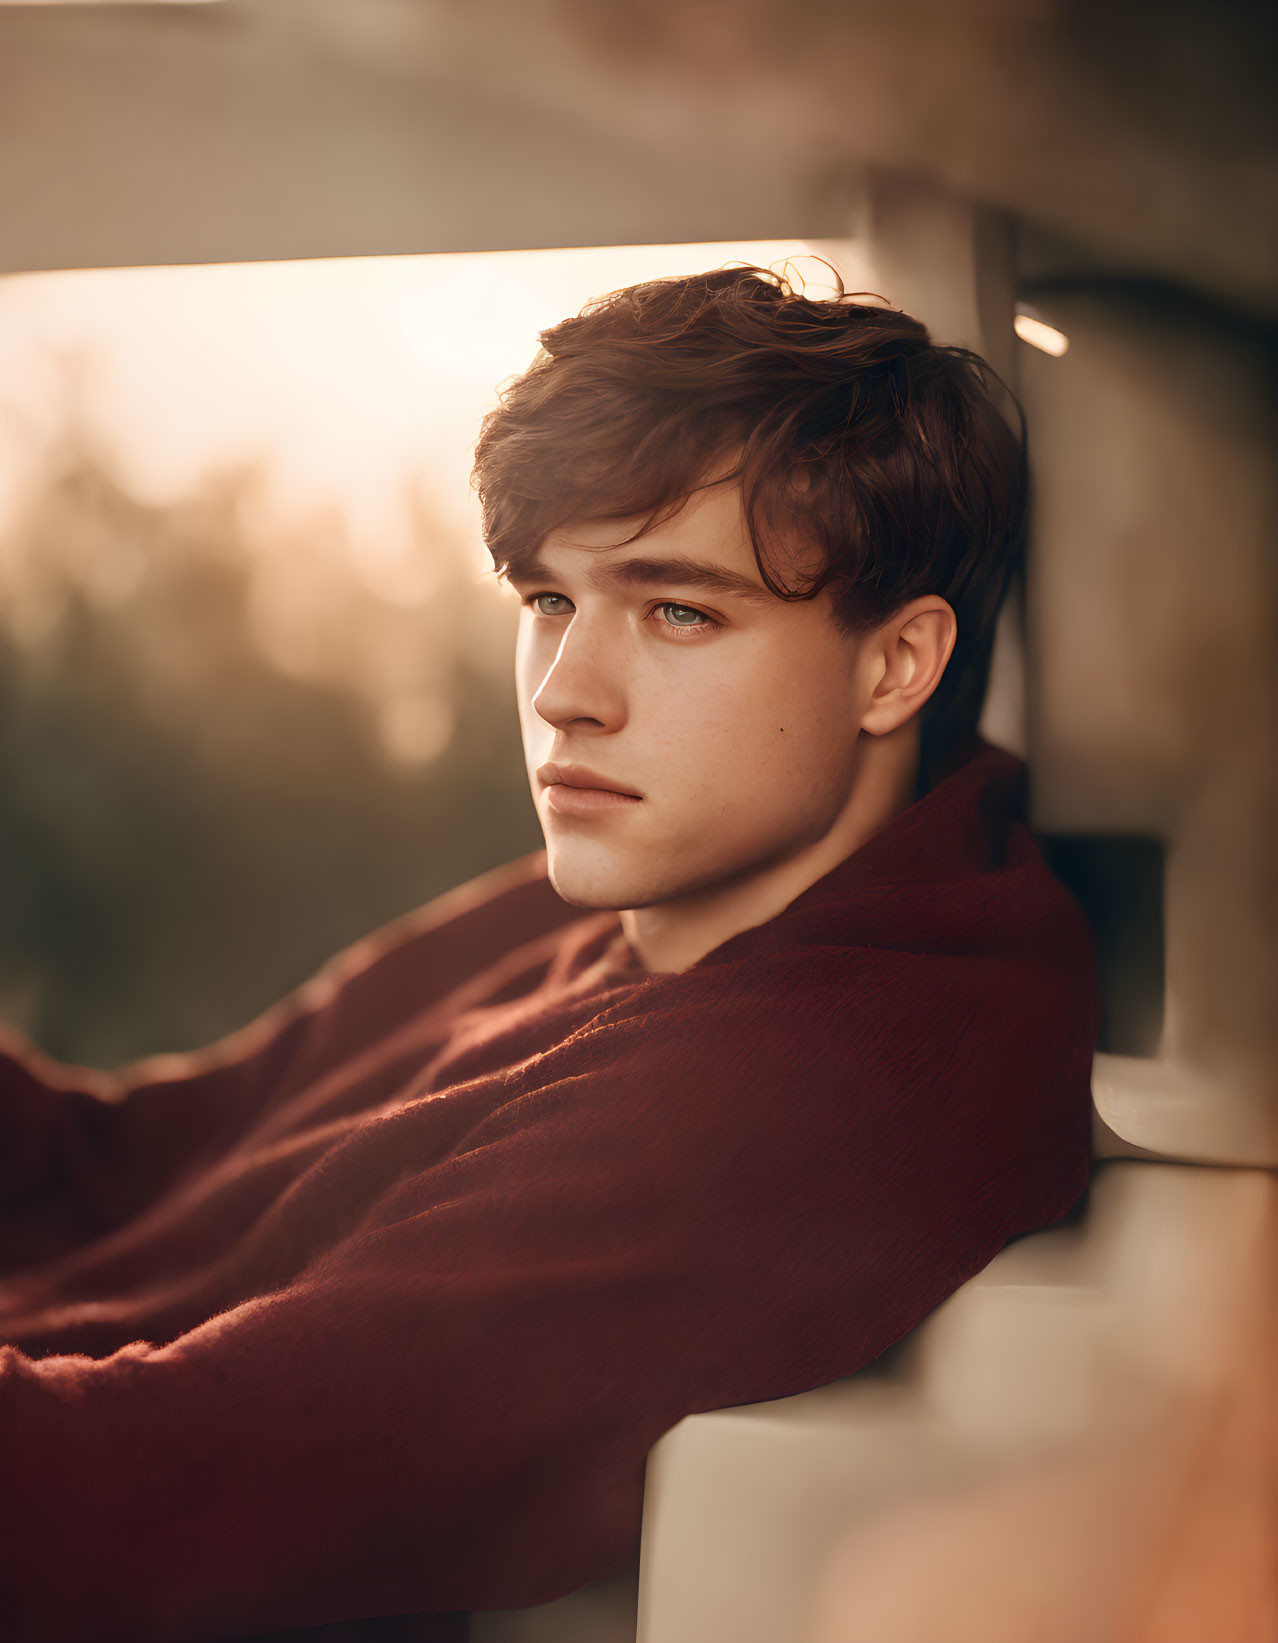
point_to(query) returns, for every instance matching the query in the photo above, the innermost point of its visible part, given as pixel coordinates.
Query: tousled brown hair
(847, 427)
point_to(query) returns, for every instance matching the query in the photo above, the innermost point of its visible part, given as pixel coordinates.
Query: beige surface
(1153, 687)
(277, 128)
(1073, 1380)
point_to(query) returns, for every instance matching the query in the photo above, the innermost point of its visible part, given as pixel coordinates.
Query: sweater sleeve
(451, 1409)
(83, 1150)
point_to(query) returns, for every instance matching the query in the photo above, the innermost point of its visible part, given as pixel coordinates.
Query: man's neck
(673, 935)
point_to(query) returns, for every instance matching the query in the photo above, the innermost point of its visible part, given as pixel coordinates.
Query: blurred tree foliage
(190, 828)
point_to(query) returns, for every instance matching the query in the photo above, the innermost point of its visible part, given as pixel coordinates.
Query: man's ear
(909, 651)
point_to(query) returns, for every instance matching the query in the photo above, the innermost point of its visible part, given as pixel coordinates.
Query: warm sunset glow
(348, 392)
(343, 377)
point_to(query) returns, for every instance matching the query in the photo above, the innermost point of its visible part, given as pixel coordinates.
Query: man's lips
(581, 776)
(576, 790)
(587, 801)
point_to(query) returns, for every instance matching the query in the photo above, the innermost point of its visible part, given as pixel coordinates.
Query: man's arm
(676, 1209)
(81, 1151)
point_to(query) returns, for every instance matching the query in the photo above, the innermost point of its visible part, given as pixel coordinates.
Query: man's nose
(583, 683)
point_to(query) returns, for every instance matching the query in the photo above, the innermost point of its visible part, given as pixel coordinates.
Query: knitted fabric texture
(376, 1307)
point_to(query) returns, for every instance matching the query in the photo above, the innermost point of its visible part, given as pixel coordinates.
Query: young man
(376, 1307)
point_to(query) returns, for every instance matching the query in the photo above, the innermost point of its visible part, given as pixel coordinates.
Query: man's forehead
(708, 522)
(704, 543)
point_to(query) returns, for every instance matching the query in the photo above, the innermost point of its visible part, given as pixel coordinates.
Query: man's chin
(601, 885)
(616, 887)
(604, 880)
(592, 893)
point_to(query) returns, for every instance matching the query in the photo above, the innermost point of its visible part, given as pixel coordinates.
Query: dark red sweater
(377, 1306)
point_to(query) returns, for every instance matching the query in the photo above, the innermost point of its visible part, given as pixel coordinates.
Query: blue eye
(535, 600)
(678, 616)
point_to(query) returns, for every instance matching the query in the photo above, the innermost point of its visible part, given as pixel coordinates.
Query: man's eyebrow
(640, 572)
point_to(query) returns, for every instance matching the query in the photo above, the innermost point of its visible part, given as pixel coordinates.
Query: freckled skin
(672, 692)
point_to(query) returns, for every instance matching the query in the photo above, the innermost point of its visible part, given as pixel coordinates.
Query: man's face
(730, 714)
